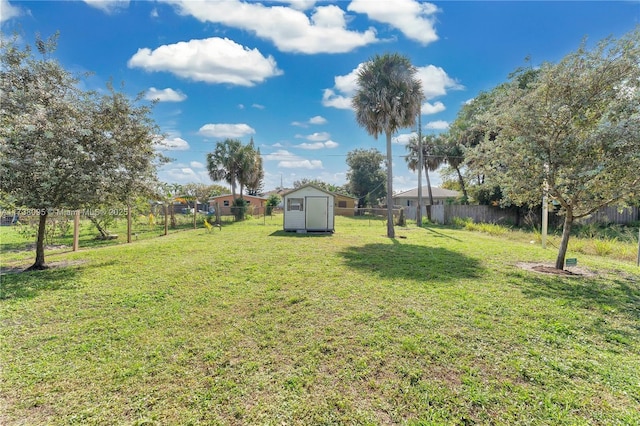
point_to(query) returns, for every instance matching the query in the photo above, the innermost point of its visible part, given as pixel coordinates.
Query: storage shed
(309, 208)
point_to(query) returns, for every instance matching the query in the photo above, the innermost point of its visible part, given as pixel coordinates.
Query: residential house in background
(410, 198)
(225, 202)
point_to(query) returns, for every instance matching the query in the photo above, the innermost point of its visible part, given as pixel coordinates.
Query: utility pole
(420, 161)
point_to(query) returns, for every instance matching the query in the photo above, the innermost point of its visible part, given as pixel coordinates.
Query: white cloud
(257, 106)
(404, 138)
(318, 119)
(225, 130)
(301, 164)
(288, 160)
(318, 145)
(8, 11)
(196, 165)
(436, 82)
(180, 173)
(344, 88)
(108, 6)
(174, 143)
(154, 13)
(429, 108)
(291, 30)
(211, 60)
(437, 125)
(318, 136)
(415, 19)
(165, 95)
(300, 4)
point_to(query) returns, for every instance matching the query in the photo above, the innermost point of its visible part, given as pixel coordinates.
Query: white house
(309, 208)
(410, 198)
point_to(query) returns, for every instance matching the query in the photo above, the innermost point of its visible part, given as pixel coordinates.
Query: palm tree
(388, 98)
(223, 162)
(250, 171)
(431, 159)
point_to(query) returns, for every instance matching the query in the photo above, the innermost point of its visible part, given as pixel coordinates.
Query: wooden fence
(444, 214)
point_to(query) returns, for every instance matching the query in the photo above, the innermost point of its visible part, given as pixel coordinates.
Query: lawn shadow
(608, 294)
(28, 284)
(414, 262)
(438, 234)
(292, 234)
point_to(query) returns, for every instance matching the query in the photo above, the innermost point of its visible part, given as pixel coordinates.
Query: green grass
(252, 325)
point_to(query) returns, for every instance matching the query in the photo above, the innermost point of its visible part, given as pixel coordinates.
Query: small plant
(605, 246)
(459, 222)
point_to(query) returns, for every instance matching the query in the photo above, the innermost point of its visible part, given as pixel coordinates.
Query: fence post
(76, 230)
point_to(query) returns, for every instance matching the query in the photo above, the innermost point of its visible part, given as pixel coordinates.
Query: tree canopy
(65, 148)
(236, 164)
(366, 176)
(572, 128)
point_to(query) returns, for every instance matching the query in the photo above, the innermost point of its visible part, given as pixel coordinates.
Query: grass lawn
(251, 325)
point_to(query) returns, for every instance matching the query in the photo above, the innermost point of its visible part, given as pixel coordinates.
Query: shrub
(605, 247)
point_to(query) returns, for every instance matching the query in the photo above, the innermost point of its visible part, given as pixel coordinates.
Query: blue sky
(283, 72)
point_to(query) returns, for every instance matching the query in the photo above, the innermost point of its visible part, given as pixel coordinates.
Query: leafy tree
(452, 153)
(388, 98)
(222, 163)
(272, 201)
(366, 177)
(64, 148)
(321, 184)
(573, 128)
(255, 175)
(431, 158)
(236, 164)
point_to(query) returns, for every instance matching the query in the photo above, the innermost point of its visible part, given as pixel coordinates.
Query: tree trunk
(195, 212)
(390, 229)
(128, 222)
(426, 172)
(233, 189)
(462, 186)
(564, 244)
(42, 225)
(166, 219)
(173, 217)
(101, 230)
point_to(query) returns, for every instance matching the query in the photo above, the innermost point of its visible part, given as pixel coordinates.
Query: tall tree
(388, 98)
(453, 155)
(236, 164)
(573, 129)
(61, 147)
(223, 162)
(366, 177)
(431, 158)
(252, 172)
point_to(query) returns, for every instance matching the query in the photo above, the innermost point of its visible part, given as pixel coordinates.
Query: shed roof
(310, 185)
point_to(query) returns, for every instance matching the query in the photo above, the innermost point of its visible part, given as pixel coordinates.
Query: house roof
(244, 196)
(310, 185)
(437, 193)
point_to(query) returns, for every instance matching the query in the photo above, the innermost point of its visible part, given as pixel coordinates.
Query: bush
(239, 208)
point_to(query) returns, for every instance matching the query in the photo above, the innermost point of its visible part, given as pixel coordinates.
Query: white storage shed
(309, 208)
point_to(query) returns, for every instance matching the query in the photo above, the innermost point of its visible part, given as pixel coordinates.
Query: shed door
(317, 212)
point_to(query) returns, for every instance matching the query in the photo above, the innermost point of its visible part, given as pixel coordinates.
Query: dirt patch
(52, 265)
(549, 269)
